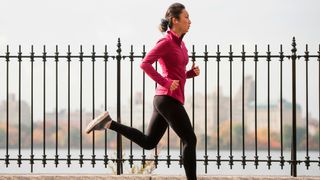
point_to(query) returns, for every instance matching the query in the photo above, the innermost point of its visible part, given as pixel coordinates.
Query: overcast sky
(100, 22)
(214, 22)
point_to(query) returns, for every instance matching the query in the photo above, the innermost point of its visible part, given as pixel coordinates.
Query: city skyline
(199, 107)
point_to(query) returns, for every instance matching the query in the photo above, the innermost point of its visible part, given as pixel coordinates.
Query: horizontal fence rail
(230, 123)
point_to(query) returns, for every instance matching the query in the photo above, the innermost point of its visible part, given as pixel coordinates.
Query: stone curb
(144, 177)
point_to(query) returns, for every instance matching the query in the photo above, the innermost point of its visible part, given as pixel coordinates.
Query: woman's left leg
(176, 116)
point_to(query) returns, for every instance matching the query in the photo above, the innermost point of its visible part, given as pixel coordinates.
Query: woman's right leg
(156, 128)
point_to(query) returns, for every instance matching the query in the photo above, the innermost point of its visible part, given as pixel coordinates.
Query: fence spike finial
(119, 47)
(294, 48)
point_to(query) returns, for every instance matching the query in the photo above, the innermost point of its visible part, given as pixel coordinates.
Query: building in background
(13, 105)
(249, 110)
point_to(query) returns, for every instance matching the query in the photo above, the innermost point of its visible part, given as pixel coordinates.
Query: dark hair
(173, 11)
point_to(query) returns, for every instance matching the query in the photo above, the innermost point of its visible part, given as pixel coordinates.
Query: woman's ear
(175, 21)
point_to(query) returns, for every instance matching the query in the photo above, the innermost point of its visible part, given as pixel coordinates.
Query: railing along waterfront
(105, 61)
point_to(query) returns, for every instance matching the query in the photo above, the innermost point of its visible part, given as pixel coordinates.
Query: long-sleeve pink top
(172, 55)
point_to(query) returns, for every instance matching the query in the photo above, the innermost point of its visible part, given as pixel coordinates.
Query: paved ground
(145, 177)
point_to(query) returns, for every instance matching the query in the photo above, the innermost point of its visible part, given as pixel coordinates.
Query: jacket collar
(175, 37)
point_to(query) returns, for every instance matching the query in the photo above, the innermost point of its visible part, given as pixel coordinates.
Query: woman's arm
(158, 51)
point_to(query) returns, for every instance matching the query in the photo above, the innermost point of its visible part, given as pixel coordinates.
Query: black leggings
(167, 111)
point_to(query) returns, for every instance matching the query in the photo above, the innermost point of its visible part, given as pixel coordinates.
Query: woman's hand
(196, 69)
(174, 85)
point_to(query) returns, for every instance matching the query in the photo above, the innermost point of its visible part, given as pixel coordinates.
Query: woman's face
(183, 23)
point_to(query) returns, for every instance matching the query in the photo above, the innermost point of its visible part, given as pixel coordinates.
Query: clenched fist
(195, 69)
(174, 85)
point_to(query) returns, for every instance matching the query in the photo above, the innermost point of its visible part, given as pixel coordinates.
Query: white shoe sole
(96, 121)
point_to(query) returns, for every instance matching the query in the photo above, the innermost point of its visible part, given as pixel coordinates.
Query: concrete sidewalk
(144, 177)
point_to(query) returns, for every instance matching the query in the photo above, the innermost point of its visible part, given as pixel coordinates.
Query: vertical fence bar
(7, 113)
(307, 110)
(119, 139)
(143, 162)
(143, 107)
(193, 84)
(281, 109)
(193, 88)
(218, 108)
(230, 60)
(294, 135)
(93, 58)
(307, 162)
(205, 113)
(243, 124)
(44, 156)
(19, 118)
(131, 101)
(156, 149)
(80, 133)
(32, 61)
(319, 109)
(68, 60)
(56, 160)
(268, 87)
(256, 157)
(106, 159)
(32, 155)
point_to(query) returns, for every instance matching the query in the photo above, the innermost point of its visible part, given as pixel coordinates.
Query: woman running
(168, 110)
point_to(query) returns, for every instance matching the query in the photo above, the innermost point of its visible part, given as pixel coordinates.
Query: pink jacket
(172, 55)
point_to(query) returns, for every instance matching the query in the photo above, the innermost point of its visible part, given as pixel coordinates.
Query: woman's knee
(149, 144)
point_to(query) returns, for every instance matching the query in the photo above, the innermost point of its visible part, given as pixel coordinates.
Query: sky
(101, 22)
(213, 22)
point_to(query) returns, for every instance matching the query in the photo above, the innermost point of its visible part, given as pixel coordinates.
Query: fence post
(119, 139)
(294, 135)
(7, 109)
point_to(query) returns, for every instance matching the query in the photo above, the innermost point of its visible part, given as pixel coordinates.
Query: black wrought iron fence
(236, 113)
